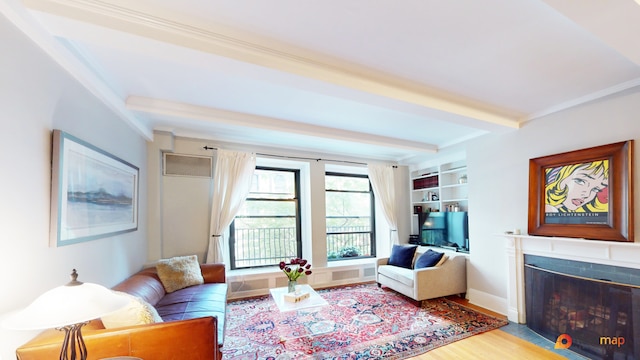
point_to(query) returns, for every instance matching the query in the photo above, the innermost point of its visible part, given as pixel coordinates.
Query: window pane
(264, 241)
(333, 182)
(349, 217)
(353, 204)
(345, 246)
(273, 184)
(265, 230)
(267, 208)
(341, 224)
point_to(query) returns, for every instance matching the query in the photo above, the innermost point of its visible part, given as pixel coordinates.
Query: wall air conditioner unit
(187, 165)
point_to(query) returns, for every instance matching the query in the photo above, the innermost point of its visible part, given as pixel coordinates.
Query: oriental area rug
(361, 322)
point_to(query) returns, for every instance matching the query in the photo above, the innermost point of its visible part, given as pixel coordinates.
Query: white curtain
(231, 184)
(381, 177)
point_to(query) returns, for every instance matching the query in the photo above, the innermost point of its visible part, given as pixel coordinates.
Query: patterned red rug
(360, 322)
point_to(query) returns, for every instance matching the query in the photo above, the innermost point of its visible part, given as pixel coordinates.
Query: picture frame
(94, 194)
(585, 194)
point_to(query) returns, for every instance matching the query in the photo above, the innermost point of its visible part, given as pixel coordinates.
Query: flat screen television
(448, 229)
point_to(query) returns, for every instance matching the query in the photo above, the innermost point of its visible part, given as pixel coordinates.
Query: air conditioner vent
(367, 272)
(187, 165)
(345, 275)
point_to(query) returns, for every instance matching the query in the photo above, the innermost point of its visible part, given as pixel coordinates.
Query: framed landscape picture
(586, 193)
(93, 193)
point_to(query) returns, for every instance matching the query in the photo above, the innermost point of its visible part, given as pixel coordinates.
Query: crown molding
(63, 56)
(162, 29)
(586, 99)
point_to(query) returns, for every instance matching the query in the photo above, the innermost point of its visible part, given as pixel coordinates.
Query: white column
(515, 290)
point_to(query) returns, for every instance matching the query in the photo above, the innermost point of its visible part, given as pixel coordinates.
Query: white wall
(499, 180)
(36, 96)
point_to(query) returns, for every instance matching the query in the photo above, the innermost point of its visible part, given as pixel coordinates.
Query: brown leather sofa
(193, 327)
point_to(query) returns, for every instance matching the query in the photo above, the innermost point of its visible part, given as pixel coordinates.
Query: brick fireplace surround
(591, 251)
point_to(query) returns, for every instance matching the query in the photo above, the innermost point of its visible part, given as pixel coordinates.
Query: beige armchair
(449, 278)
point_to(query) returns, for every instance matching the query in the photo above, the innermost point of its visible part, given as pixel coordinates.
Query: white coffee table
(313, 300)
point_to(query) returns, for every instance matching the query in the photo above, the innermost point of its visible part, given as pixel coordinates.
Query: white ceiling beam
(198, 38)
(181, 110)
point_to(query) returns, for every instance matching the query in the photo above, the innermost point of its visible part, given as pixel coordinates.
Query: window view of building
(350, 216)
(266, 230)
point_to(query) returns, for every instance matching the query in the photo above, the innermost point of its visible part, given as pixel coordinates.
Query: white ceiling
(386, 80)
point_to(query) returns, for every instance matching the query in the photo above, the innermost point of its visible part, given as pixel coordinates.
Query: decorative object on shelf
(294, 271)
(586, 193)
(68, 308)
(462, 179)
(93, 193)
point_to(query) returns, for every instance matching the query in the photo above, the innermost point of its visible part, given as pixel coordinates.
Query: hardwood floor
(495, 344)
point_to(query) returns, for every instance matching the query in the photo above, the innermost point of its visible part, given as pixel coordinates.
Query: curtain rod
(301, 157)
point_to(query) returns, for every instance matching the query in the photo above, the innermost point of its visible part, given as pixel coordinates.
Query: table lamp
(67, 308)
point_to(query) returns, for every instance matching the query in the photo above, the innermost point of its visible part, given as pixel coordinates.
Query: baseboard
(488, 301)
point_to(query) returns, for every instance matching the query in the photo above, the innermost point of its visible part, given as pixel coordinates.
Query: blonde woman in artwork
(578, 188)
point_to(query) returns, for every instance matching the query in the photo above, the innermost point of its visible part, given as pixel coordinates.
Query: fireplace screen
(593, 317)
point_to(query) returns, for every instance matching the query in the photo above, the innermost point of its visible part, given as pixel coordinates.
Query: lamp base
(73, 347)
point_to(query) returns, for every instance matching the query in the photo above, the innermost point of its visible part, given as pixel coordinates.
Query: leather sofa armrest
(213, 273)
(167, 340)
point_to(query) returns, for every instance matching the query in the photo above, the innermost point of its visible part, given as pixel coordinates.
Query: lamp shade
(65, 305)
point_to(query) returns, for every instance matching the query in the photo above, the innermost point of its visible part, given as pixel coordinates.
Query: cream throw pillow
(179, 272)
(137, 312)
(442, 260)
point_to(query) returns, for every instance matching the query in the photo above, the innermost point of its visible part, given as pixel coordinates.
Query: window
(266, 230)
(350, 216)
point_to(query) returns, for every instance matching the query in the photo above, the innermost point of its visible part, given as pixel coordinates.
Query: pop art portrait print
(577, 193)
(586, 193)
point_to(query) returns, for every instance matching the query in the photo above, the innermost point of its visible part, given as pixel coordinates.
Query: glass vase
(291, 287)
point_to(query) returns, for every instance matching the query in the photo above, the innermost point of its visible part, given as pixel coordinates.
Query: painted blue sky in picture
(97, 193)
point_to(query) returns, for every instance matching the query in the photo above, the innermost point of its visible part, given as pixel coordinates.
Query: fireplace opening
(583, 310)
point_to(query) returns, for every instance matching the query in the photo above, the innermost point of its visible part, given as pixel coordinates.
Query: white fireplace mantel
(592, 251)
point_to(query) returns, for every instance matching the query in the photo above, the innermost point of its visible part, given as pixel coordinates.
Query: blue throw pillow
(402, 255)
(428, 259)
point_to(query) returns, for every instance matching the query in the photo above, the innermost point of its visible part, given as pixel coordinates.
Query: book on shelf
(426, 182)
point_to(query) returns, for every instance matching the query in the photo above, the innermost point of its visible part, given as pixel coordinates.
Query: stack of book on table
(297, 296)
